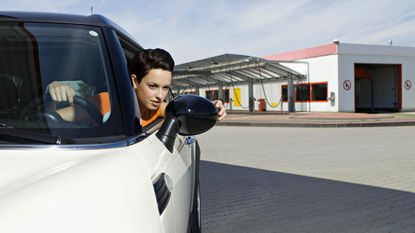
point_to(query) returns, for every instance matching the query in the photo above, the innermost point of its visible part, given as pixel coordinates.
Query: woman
(151, 76)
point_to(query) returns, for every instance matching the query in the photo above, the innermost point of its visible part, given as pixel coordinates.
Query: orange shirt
(102, 102)
(155, 115)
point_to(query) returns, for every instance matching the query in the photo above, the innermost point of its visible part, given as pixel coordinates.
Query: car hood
(76, 191)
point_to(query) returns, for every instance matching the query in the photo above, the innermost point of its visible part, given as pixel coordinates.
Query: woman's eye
(153, 86)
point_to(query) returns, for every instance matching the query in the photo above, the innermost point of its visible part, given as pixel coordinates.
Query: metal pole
(197, 90)
(251, 95)
(220, 91)
(291, 97)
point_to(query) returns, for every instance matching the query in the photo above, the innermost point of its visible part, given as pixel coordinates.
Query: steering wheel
(41, 109)
(35, 111)
(89, 107)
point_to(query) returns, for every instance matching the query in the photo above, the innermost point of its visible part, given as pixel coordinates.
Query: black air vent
(162, 192)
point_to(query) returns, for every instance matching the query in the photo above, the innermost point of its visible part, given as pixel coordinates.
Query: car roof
(43, 17)
(96, 20)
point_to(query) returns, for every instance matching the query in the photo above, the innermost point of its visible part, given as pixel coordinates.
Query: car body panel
(178, 167)
(57, 190)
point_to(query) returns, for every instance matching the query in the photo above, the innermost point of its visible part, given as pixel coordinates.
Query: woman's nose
(159, 93)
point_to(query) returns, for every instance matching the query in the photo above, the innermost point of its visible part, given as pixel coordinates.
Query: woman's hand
(221, 109)
(61, 92)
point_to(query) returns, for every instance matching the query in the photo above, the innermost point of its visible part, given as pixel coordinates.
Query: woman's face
(153, 88)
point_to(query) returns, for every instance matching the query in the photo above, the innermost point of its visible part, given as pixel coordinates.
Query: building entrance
(378, 88)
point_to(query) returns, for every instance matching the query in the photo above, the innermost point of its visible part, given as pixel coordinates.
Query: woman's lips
(155, 103)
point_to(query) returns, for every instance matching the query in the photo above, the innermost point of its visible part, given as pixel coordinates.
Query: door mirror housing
(187, 115)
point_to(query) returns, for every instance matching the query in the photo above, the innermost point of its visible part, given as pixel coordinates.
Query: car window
(32, 56)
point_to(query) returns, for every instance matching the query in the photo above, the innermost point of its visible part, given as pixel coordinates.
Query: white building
(335, 77)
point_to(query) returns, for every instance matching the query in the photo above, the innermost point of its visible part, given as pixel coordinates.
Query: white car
(105, 175)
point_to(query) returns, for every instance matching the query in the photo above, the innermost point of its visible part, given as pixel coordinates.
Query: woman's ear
(134, 81)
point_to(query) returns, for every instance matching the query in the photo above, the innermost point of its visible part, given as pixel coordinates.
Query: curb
(318, 125)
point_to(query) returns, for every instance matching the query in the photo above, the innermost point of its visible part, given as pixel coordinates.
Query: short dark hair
(149, 59)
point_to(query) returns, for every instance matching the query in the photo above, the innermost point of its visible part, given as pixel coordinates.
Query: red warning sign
(347, 85)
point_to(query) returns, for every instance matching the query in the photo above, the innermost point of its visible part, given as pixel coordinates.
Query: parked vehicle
(110, 176)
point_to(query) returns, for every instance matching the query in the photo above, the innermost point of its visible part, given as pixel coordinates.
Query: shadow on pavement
(242, 199)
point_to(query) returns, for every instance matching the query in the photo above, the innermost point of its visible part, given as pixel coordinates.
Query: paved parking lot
(257, 179)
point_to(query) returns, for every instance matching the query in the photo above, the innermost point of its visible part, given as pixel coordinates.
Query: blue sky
(196, 29)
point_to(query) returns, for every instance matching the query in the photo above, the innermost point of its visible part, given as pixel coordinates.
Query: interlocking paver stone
(308, 180)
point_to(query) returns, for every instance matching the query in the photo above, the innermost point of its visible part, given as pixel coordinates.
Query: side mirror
(186, 115)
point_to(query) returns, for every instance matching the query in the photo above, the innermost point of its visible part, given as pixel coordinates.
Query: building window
(319, 92)
(284, 92)
(226, 96)
(302, 92)
(305, 92)
(189, 92)
(214, 95)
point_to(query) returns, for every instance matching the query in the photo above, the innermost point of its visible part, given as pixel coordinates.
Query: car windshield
(34, 55)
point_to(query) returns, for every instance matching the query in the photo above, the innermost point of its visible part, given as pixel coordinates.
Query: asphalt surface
(282, 179)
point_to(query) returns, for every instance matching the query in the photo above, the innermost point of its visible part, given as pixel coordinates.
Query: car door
(172, 174)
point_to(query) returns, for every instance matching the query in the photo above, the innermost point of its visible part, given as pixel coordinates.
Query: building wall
(349, 55)
(323, 69)
(243, 100)
(266, 90)
(408, 96)
(270, 92)
(243, 90)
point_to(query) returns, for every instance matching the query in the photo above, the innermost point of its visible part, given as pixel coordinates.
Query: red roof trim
(318, 51)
